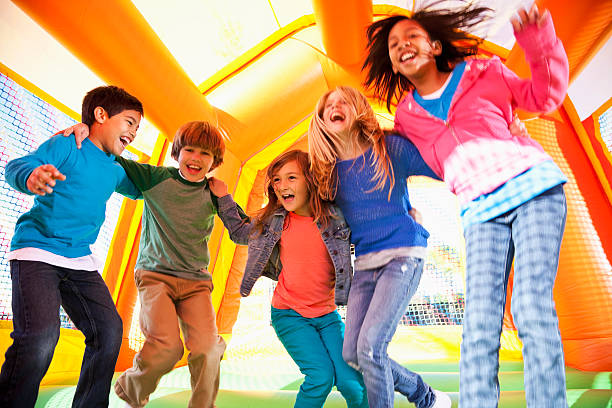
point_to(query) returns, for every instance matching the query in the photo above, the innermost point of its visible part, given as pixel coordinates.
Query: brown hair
(199, 134)
(112, 99)
(321, 209)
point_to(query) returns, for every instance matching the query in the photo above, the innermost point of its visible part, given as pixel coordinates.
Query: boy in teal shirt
(50, 259)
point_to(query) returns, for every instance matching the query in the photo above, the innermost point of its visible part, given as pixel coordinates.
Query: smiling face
(411, 51)
(337, 113)
(194, 162)
(113, 134)
(291, 189)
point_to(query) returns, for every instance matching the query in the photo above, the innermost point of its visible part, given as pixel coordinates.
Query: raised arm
(547, 87)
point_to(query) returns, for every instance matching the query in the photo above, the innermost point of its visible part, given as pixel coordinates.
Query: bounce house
(256, 69)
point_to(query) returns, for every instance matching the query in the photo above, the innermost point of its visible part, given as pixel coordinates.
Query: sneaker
(442, 400)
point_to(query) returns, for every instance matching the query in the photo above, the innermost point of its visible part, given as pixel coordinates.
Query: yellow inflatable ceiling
(256, 69)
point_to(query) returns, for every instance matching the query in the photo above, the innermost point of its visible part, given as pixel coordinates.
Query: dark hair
(321, 209)
(113, 99)
(446, 26)
(200, 134)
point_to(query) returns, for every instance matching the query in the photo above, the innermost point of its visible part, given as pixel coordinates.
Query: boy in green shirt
(174, 285)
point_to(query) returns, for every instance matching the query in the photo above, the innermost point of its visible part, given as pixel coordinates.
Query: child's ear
(100, 114)
(437, 47)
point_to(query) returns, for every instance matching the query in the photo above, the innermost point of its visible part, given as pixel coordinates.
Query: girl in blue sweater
(365, 172)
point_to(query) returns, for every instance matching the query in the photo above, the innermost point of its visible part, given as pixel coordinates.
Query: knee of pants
(213, 347)
(40, 345)
(111, 334)
(318, 383)
(365, 353)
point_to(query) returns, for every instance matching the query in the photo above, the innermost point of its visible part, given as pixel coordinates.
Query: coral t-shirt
(306, 282)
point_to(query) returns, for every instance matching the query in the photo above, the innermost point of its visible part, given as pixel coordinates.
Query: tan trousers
(167, 302)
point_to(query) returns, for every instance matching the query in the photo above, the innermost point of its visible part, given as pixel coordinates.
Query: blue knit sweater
(67, 221)
(378, 223)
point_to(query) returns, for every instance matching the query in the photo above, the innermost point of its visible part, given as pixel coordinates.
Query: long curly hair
(325, 145)
(446, 26)
(321, 209)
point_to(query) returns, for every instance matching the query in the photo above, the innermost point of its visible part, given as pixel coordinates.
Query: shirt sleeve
(234, 219)
(410, 159)
(58, 151)
(547, 87)
(144, 176)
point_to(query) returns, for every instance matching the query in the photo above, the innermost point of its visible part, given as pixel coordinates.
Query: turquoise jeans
(315, 344)
(531, 236)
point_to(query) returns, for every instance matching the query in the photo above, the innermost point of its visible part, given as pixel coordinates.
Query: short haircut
(199, 134)
(113, 99)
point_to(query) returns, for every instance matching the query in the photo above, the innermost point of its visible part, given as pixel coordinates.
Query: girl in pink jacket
(457, 112)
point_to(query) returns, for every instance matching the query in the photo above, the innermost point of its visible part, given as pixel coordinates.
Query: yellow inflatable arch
(263, 102)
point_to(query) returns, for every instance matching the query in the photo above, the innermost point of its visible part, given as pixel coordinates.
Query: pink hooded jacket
(473, 151)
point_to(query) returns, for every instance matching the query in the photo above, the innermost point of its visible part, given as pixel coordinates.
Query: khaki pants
(167, 302)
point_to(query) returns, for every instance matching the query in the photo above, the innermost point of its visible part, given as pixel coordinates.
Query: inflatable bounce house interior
(256, 68)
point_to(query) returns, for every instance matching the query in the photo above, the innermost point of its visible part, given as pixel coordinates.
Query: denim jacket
(264, 253)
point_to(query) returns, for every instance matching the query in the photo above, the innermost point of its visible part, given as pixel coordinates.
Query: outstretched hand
(527, 18)
(42, 179)
(217, 187)
(80, 130)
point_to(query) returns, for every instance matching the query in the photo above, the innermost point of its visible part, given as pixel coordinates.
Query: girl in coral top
(456, 111)
(303, 242)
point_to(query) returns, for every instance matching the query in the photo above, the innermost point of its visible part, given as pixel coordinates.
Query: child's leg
(489, 254)
(360, 296)
(162, 347)
(198, 321)
(88, 303)
(348, 381)
(537, 233)
(35, 302)
(302, 341)
(395, 282)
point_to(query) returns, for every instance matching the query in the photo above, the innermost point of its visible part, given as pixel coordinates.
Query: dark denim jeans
(38, 291)
(377, 300)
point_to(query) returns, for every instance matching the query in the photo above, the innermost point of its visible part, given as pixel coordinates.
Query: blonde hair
(325, 144)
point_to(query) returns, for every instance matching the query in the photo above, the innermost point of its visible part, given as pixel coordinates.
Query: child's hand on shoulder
(217, 187)
(526, 18)
(80, 130)
(42, 179)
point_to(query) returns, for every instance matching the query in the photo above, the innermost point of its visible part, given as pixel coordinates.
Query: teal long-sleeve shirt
(67, 221)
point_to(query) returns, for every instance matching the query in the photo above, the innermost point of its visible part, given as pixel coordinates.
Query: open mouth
(287, 197)
(193, 169)
(125, 141)
(407, 56)
(337, 117)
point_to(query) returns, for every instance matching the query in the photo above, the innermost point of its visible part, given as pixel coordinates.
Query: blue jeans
(377, 300)
(315, 344)
(531, 235)
(38, 291)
